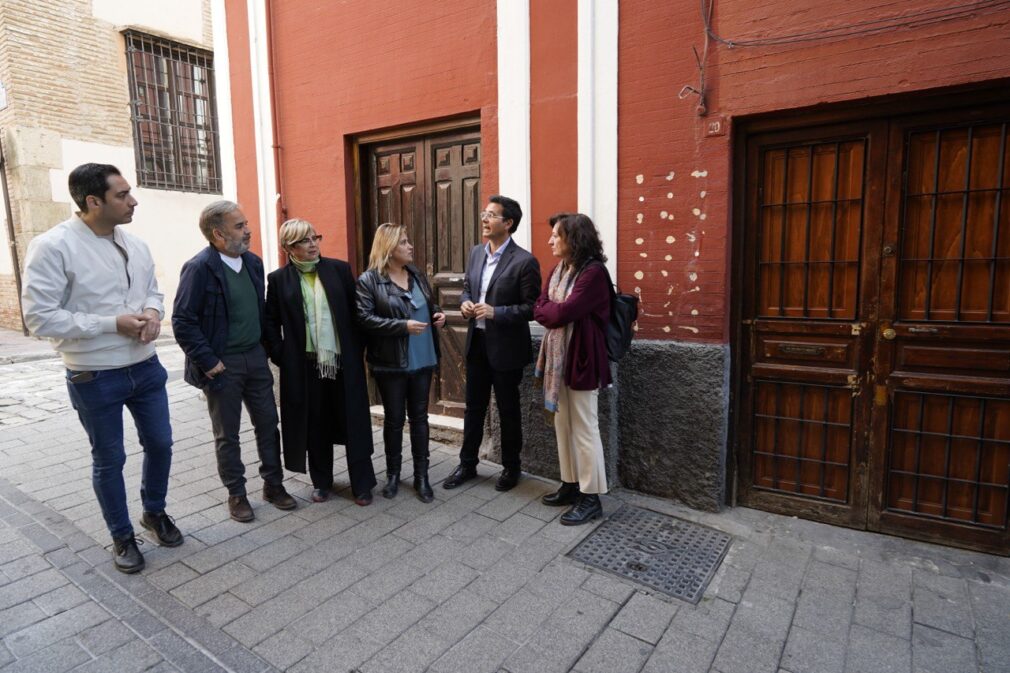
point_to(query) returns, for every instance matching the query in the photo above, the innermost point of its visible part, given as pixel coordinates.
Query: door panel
(431, 184)
(943, 344)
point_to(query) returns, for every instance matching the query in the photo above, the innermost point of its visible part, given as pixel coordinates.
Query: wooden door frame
(403, 132)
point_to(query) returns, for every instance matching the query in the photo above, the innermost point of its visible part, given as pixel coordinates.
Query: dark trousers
(480, 379)
(404, 395)
(247, 379)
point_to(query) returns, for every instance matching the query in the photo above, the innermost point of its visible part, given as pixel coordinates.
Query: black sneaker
(126, 555)
(163, 527)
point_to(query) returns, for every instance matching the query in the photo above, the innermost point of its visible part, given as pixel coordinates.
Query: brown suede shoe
(240, 509)
(278, 497)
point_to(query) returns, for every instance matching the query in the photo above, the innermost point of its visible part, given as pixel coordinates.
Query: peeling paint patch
(639, 178)
(691, 237)
(635, 327)
(666, 328)
(688, 328)
(639, 275)
(693, 289)
(638, 290)
(669, 176)
(666, 304)
(639, 217)
(699, 174)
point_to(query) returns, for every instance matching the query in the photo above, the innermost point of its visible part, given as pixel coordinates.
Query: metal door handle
(889, 333)
(923, 330)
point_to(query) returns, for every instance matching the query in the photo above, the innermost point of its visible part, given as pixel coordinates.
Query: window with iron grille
(174, 115)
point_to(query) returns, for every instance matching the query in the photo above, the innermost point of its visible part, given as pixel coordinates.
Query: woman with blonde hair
(312, 336)
(575, 308)
(396, 309)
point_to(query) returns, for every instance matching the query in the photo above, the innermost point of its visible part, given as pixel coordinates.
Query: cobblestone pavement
(476, 581)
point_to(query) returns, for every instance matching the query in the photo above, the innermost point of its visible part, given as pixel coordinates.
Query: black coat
(285, 338)
(383, 311)
(513, 290)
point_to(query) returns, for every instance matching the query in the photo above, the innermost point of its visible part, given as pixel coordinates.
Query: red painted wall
(660, 135)
(347, 68)
(554, 141)
(242, 117)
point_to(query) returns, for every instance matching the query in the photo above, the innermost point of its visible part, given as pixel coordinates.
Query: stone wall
(664, 423)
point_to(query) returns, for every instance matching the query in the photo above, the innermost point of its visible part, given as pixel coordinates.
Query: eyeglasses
(489, 215)
(308, 240)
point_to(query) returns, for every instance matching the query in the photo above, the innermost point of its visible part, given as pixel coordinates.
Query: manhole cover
(664, 553)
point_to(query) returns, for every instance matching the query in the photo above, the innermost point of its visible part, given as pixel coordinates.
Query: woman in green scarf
(312, 337)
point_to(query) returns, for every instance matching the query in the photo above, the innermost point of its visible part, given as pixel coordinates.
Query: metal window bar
(831, 270)
(930, 260)
(806, 244)
(782, 238)
(176, 139)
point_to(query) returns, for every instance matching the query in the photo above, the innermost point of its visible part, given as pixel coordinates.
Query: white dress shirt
(489, 266)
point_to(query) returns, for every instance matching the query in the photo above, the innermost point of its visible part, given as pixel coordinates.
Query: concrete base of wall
(663, 423)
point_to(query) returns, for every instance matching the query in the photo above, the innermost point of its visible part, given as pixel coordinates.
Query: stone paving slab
(475, 581)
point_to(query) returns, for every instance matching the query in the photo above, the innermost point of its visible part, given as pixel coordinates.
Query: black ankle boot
(586, 509)
(392, 486)
(126, 556)
(392, 476)
(566, 495)
(421, 485)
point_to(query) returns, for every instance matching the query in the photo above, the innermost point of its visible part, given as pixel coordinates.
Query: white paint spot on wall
(697, 254)
(669, 290)
(703, 194)
(699, 174)
(666, 328)
(669, 195)
(665, 274)
(635, 327)
(641, 198)
(669, 176)
(693, 289)
(696, 211)
(690, 237)
(639, 217)
(638, 290)
(694, 311)
(671, 216)
(639, 178)
(692, 276)
(663, 214)
(671, 239)
(666, 304)
(639, 275)
(703, 217)
(688, 328)
(669, 258)
(639, 241)
(643, 255)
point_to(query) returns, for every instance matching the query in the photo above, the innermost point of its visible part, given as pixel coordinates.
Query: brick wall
(674, 181)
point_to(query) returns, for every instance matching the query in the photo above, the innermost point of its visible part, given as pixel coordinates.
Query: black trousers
(480, 379)
(247, 379)
(404, 395)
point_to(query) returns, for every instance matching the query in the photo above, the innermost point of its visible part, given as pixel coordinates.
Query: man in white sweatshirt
(89, 286)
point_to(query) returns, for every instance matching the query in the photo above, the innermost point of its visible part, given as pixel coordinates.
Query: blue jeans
(99, 402)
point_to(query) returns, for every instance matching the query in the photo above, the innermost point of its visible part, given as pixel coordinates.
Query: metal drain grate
(664, 553)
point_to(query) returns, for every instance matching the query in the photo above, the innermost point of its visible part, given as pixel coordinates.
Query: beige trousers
(580, 449)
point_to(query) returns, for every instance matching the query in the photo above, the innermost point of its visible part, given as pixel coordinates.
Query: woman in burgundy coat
(575, 308)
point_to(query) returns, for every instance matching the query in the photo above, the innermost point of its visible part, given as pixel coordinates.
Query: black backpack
(623, 314)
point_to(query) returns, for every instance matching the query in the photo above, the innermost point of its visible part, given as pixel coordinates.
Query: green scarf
(320, 337)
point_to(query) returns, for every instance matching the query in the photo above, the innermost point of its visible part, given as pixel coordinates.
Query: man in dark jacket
(218, 320)
(501, 285)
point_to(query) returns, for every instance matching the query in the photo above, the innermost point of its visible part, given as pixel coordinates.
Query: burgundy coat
(588, 309)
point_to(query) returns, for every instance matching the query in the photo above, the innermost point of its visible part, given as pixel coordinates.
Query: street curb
(17, 358)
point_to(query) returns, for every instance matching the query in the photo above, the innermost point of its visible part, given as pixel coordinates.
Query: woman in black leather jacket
(396, 310)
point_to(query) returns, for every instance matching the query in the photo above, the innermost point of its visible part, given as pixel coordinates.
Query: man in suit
(501, 285)
(218, 321)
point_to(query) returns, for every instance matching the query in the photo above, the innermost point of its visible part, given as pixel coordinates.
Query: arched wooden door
(875, 345)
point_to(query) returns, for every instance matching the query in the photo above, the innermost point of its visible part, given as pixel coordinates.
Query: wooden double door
(874, 385)
(431, 184)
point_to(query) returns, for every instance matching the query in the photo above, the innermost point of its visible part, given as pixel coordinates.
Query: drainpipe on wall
(12, 241)
(282, 208)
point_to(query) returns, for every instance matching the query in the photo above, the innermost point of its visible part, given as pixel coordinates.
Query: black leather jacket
(383, 311)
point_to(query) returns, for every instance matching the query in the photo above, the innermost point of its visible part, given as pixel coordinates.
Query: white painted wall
(266, 174)
(597, 113)
(167, 221)
(181, 19)
(514, 109)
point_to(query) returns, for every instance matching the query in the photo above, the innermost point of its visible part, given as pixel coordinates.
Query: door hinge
(857, 328)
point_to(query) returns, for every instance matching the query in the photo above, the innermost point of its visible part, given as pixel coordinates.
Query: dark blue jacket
(200, 312)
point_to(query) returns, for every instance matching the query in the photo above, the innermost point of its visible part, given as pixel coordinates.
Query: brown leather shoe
(278, 497)
(240, 509)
